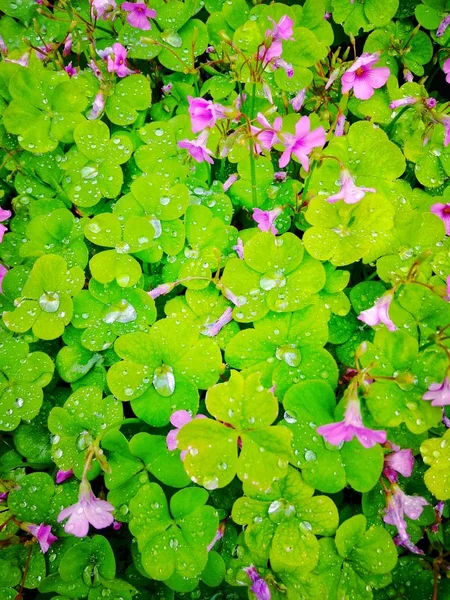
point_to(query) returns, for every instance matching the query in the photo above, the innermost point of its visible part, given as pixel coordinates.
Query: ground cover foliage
(225, 277)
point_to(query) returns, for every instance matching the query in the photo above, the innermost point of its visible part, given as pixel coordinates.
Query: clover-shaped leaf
(248, 409)
(161, 371)
(436, 454)
(175, 541)
(130, 95)
(46, 302)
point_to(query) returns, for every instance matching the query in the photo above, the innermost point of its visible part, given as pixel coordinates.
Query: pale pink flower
(102, 9)
(445, 419)
(443, 26)
(281, 30)
(161, 290)
(340, 124)
(3, 496)
(268, 136)
(446, 69)
(22, 61)
(43, 51)
(117, 61)
(398, 505)
(204, 113)
(379, 313)
(62, 476)
(71, 71)
(239, 248)
(298, 99)
(447, 297)
(4, 216)
(95, 69)
(301, 143)
(352, 426)
(399, 461)
(3, 271)
(67, 45)
(438, 512)
(280, 63)
(88, 510)
(43, 534)
(214, 329)
(166, 89)
(280, 175)
(408, 76)
(219, 535)
(266, 218)
(3, 46)
(269, 54)
(439, 393)
(97, 107)
(327, 16)
(431, 102)
(446, 123)
(408, 100)
(229, 182)
(267, 93)
(443, 212)
(116, 525)
(334, 75)
(178, 419)
(363, 77)
(197, 148)
(259, 587)
(138, 15)
(350, 193)
(236, 300)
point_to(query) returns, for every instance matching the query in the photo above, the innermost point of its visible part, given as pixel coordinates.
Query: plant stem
(252, 156)
(308, 181)
(395, 119)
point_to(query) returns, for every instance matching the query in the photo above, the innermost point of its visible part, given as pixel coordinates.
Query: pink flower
(443, 212)
(280, 63)
(3, 496)
(352, 426)
(408, 76)
(3, 46)
(379, 313)
(22, 61)
(67, 45)
(62, 476)
(302, 143)
(117, 61)
(280, 175)
(204, 113)
(166, 89)
(439, 393)
(438, 511)
(197, 148)
(161, 290)
(266, 218)
(43, 534)
(446, 69)
(71, 71)
(297, 101)
(229, 182)
(431, 102)
(270, 53)
(340, 124)
(447, 297)
(138, 15)
(268, 136)
(236, 300)
(281, 30)
(349, 192)
(178, 419)
(259, 587)
(443, 26)
(4, 215)
(327, 16)
(3, 271)
(213, 329)
(445, 419)
(43, 51)
(446, 123)
(88, 510)
(403, 102)
(102, 9)
(97, 107)
(267, 93)
(95, 69)
(334, 75)
(363, 77)
(398, 505)
(219, 535)
(400, 461)
(239, 248)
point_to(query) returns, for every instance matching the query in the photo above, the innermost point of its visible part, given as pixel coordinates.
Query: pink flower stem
(252, 156)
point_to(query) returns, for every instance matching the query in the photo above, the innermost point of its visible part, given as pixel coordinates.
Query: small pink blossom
(363, 77)
(22, 61)
(43, 534)
(204, 113)
(67, 45)
(117, 525)
(102, 9)
(95, 69)
(161, 290)
(445, 419)
(398, 505)
(298, 99)
(446, 69)
(117, 61)
(443, 212)
(443, 26)
(280, 175)
(266, 219)
(438, 512)
(352, 426)
(219, 535)
(4, 216)
(229, 182)
(431, 102)
(239, 248)
(3, 46)
(447, 297)
(3, 271)
(97, 107)
(379, 313)
(408, 76)
(71, 71)
(400, 461)
(88, 510)
(236, 300)
(214, 329)
(166, 89)
(178, 419)
(259, 587)
(340, 124)
(138, 15)
(446, 123)
(43, 51)
(210, 49)
(281, 30)
(270, 53)
(349, 192)
(301, 143)
(3, 496)
(327, 16)
(439, 393)
(280, 63)
(197, 148)
(268, 136)
(334, 75)
(62, 476)
(408, 100)
(267, 93)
